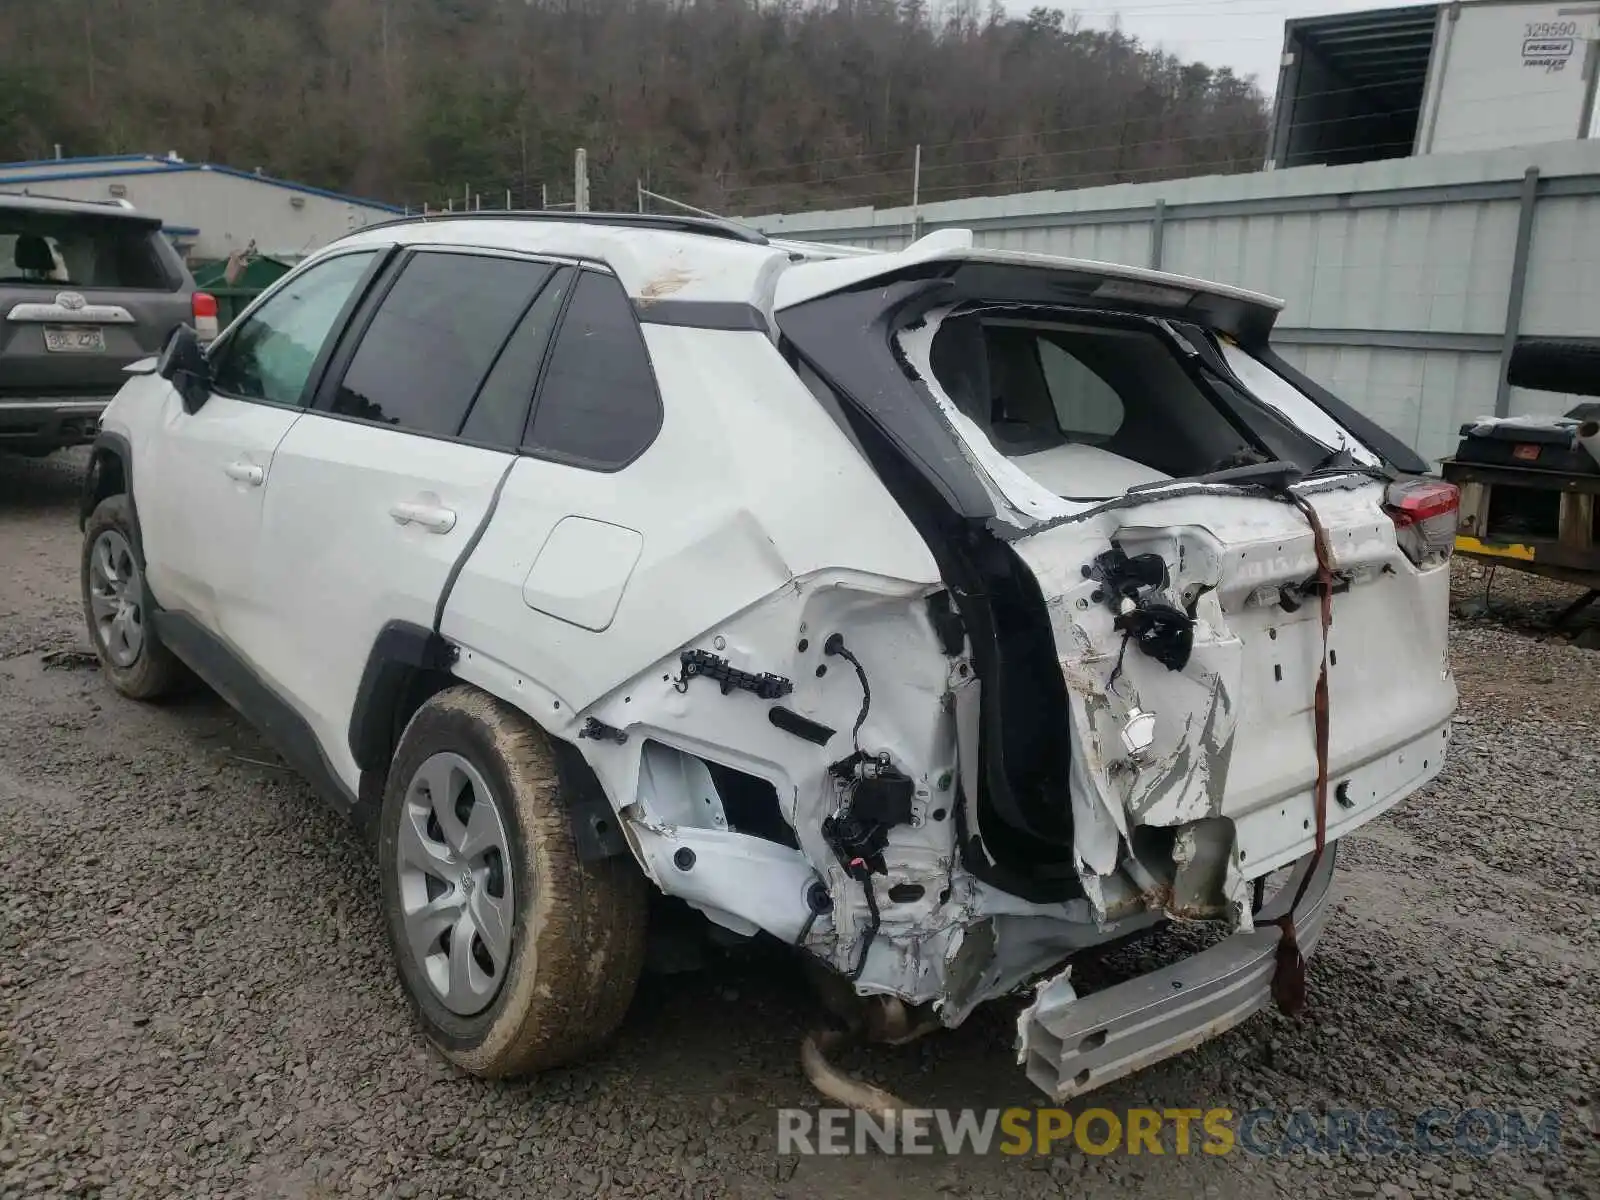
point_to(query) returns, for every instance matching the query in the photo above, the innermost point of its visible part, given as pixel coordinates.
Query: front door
(209, 469)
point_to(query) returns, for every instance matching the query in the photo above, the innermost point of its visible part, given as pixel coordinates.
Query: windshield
(59, 250)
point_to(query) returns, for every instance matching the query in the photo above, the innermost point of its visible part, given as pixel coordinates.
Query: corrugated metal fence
(1407, 280)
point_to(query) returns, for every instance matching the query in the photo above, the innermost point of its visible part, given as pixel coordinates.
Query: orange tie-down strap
(1289, 976)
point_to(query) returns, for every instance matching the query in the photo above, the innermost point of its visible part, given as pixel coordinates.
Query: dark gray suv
(85, 289)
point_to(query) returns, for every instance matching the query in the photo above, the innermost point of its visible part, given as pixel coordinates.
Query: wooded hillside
(734, 105)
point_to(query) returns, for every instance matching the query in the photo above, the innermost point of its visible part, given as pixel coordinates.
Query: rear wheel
(516, 955)
(115, 608)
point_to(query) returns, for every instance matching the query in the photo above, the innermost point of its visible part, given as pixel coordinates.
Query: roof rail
(659, 222)
(118, 205)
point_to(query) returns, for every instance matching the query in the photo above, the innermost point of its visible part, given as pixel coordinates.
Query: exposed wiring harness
(835, 647)
(871, 933)
(858, 867)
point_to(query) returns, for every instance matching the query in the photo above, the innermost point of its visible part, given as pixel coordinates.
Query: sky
(1246, 35)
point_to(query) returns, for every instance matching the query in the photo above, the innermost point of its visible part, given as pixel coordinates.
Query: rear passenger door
(380, 489)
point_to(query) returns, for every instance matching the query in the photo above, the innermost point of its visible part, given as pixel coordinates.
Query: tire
(1556, 366)
(111, 576)
(558, 986)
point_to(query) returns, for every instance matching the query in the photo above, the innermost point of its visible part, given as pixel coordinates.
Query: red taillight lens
(1425, 514)
(204, 308)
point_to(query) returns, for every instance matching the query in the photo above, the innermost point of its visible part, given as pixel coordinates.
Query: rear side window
(64, 250)
(434, 338)
(598, 406)
(1087, 408)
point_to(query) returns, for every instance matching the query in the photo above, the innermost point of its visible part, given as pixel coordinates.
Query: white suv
(940, 612)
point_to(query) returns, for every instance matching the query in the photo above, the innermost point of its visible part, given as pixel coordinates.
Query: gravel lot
(195, 997)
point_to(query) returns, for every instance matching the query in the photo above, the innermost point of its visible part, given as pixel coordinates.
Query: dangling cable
(835, 646)
(1116, 670)
(859, 869)
(867, 938)
(1289, 976)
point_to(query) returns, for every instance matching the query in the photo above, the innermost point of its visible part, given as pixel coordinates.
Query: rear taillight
(1425, 513)
(205, 316)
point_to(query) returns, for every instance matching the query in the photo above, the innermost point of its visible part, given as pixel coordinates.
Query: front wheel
(516, 955)
(115, 609)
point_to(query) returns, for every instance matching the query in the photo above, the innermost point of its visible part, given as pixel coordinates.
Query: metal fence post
(1158, 229)
(1519, 285)
(916, 194)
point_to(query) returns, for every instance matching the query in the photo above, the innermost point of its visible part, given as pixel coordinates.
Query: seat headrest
(32, 253)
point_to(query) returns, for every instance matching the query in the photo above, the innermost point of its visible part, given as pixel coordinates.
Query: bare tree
(736, 105)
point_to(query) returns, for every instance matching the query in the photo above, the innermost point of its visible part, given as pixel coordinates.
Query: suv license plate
(75, 339)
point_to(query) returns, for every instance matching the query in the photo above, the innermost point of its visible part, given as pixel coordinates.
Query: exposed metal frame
(1302, 38)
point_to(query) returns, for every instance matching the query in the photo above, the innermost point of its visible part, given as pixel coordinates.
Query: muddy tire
(116, 606)
(515, 955)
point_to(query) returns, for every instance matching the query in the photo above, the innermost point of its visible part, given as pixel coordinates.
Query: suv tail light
(1425, 513)
(205, 316)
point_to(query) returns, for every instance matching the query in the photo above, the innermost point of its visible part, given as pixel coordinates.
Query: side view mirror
(183, 364)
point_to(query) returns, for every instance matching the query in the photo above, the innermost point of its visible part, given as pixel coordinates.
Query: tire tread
(156, 673)
(586, 920)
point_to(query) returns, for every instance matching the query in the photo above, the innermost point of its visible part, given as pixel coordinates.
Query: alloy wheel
(114, 598)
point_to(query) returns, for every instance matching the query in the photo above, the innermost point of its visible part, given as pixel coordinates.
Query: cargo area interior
(1089, 407)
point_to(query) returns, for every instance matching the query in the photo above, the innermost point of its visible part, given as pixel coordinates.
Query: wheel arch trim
(106, 446)
(114, 446)
(403, 649)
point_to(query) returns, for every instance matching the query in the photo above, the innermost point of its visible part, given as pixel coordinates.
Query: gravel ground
(195, 998)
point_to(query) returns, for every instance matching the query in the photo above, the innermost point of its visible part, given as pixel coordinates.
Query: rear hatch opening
(1144, 466)
(1108, 470)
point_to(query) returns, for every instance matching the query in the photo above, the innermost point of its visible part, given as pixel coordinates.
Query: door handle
(431, 517)
(246, 472)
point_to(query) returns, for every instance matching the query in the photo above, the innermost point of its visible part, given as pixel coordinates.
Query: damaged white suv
(941, 613)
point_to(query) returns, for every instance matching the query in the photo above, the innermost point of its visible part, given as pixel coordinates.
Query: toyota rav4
(941, 613)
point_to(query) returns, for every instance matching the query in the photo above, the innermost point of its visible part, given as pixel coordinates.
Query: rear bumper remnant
(1069, 1044)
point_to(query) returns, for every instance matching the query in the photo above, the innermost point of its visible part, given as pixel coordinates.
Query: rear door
(201, 476)
(83, 295)
(381, 488)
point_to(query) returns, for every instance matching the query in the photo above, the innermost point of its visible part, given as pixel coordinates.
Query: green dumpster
(260, 272)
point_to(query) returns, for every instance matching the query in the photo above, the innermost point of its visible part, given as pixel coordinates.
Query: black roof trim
(660, 223)
(702, 314)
